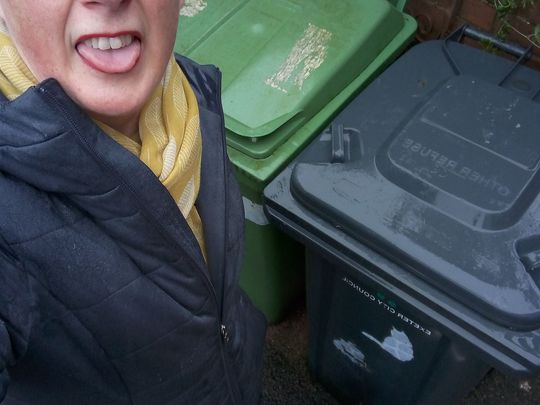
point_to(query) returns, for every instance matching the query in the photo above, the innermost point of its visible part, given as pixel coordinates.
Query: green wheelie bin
(288, 67)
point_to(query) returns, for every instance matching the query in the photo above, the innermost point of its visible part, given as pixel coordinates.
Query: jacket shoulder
(205, 81)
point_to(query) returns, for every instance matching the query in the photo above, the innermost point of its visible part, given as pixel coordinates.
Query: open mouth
(105, 43)
(110, 53)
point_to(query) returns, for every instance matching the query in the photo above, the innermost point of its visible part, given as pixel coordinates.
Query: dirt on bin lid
(286, 378)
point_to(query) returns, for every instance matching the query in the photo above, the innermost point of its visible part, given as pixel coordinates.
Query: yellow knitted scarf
(169, 129)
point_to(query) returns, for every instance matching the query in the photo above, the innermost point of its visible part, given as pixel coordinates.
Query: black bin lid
(436, 166)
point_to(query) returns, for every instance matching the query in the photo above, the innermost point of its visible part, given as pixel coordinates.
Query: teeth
(115, 43)
(127, 39)
(104, 43)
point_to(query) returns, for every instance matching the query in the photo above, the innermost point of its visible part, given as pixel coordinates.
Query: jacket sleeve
(16, 315)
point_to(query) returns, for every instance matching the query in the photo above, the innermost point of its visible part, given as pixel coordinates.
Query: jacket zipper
(224, 333)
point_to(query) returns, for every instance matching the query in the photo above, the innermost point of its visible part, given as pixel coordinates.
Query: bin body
(368, 344)
(419, 208)
(288, 67)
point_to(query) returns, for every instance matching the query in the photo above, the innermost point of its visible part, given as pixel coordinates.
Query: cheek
(170, 12)
(166, 21)
(43, 62)
(42, 51)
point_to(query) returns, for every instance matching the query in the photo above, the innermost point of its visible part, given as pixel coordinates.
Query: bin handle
(509, 47)
(523, 54)
(338, 144)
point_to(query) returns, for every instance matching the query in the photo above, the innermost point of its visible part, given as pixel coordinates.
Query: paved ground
(287, 380)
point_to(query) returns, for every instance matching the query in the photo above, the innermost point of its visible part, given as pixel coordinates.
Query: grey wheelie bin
(420, 211)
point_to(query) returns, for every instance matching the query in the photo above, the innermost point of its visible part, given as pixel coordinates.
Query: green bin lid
(282, 60)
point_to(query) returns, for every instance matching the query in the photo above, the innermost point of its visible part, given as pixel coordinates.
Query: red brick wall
(437, 18)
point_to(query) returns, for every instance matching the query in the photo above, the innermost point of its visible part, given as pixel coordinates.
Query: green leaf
(537, 33)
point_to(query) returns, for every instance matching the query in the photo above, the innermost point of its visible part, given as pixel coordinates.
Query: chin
(115, 113)
(124, 122)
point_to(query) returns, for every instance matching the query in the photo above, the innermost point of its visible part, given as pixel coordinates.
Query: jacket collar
(212, 204)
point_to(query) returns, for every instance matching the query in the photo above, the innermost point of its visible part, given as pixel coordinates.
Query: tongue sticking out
(111, 60)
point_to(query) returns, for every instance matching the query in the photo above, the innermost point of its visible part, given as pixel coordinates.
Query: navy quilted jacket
(105, 297)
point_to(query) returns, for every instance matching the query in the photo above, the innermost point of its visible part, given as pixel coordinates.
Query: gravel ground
(287, 379)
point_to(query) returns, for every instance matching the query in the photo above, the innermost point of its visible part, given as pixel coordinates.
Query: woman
(120, 220)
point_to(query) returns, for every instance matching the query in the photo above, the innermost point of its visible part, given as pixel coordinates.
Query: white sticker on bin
(351, 351)
(397, 344)
(192, 7)
(306, 56)
(254, 212)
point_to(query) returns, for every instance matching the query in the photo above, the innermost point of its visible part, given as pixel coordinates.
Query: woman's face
(108, 55)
